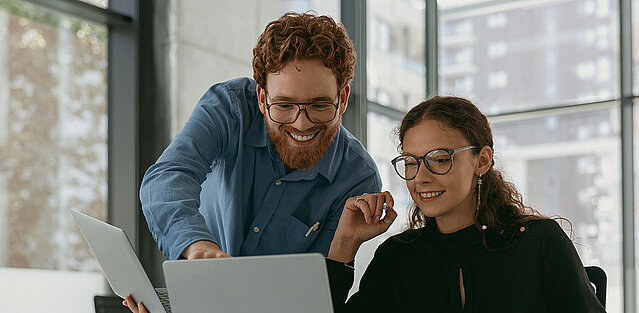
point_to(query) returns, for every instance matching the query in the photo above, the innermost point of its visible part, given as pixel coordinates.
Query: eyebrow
(291, 99)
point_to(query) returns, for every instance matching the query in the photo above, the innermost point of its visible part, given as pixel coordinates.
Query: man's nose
(302, 122)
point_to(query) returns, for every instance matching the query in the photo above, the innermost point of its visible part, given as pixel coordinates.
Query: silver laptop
(265, 284)
(120, 264)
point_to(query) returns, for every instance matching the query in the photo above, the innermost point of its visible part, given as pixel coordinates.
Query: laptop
(265, 284)
(120, 264)
(276, 283)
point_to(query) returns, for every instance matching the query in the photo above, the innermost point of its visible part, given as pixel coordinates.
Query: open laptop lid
(118, 261)
(266, 284)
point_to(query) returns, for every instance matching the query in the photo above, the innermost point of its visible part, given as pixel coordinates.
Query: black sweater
(418, 271)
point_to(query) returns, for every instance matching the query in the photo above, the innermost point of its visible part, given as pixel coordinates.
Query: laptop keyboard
(163, 294)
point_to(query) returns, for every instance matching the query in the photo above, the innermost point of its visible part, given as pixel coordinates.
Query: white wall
(212, 41)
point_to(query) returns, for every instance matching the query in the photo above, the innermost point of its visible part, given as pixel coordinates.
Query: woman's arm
(363, 218)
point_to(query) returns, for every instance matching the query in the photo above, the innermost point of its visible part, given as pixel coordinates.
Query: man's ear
(485, 160)
(261, 98)
(343, 99)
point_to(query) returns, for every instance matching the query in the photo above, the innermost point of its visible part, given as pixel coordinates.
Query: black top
(418, 271)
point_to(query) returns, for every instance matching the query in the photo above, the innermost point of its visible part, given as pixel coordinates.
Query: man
(264, 167)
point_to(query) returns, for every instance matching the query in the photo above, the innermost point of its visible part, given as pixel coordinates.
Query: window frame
(121, 18)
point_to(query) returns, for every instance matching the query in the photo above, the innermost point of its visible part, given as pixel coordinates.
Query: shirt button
(278, 182)
(256, 229)
(155, 236)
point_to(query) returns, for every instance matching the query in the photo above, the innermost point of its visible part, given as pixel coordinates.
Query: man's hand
(204, 250)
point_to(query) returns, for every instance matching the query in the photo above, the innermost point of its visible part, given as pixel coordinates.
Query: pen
(313, 228)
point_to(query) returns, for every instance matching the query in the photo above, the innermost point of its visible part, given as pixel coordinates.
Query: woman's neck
(449, 225)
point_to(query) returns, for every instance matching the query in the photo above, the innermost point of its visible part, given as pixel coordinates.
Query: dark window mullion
(627, 157)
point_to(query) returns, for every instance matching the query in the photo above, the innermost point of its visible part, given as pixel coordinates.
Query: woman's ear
(485, 160)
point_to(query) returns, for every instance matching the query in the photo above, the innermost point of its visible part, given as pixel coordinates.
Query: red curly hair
(304, 36)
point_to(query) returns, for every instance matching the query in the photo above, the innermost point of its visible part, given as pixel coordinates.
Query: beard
(301, 157)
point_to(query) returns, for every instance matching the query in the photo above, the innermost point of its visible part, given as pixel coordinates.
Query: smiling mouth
(430, 195)
(302, 138)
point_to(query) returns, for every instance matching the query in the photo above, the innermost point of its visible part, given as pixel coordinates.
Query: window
(465, 84)
(589, 37)
(381, 35)
(396, 83)
(571, 165)
(497, 49)
(497, 20)
(464, 56)
(603, 71)
(401, 72)
(523, 52)
(53, 156)
(585, 70)
(570, 168)
(586, 8)
(497, 79)
(603, 32)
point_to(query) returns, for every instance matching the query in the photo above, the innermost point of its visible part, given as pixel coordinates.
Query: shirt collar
(256, 136)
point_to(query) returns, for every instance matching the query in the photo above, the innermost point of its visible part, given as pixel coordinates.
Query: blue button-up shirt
(222, 180)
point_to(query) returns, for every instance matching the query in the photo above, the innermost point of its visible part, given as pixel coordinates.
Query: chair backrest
(109, 304)
(598, 278)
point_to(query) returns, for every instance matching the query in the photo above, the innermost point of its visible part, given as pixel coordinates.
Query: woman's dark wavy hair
(501, 209)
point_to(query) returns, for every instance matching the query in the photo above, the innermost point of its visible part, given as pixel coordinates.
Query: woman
(472, 245)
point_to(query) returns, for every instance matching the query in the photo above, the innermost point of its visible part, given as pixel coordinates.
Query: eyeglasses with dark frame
(318, 112)
(438, 161)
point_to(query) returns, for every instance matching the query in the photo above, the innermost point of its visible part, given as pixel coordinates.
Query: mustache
(310, 131)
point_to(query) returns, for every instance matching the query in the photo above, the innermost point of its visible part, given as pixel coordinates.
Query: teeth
(430, 194)
(302, 138)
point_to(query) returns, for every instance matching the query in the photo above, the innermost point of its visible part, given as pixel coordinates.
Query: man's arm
(170, 190)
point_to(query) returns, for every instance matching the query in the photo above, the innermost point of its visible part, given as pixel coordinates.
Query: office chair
(598, 279)
(109, 304)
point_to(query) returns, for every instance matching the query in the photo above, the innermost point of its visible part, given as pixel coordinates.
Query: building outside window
(566, 162)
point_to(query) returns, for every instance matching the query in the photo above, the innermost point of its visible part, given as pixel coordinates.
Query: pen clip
(313, 228)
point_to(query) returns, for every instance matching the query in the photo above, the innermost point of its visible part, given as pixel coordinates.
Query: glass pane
(395, 52)
(53, 156)
(98, 3)
(489, 51)
(571, 168)
(396, 78)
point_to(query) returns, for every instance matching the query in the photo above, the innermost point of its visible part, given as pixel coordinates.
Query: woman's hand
(361, 220)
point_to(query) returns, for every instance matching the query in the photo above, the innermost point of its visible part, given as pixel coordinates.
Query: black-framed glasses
(438, 161)
(286, 112)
